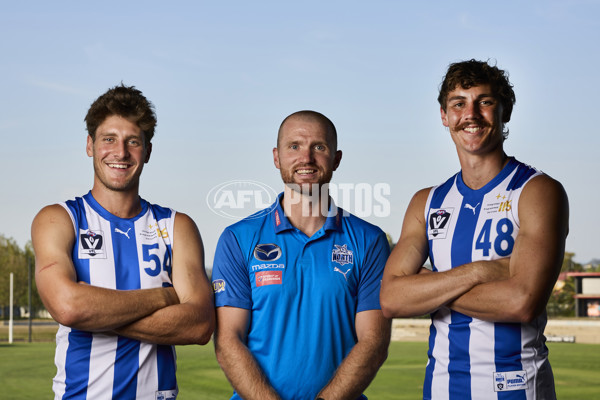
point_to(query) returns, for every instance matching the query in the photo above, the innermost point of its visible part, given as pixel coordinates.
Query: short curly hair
(124, 101)
(471, 73)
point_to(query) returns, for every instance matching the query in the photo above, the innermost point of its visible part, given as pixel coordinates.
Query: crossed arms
(514, 289)
(182, 314)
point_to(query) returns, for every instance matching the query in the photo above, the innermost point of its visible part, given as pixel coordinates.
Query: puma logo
(336, 269)
(470, 207)
(123, 233)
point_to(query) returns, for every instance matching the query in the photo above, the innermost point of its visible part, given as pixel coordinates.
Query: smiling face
(119, 154)
(474, 118)
(306, 154)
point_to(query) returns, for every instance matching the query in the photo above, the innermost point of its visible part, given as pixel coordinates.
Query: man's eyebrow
(457, 97)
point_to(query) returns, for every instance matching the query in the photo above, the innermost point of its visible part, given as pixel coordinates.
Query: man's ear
(337, 160)
(148, 152)
(444, 117)
(276, 157)
(89, 147)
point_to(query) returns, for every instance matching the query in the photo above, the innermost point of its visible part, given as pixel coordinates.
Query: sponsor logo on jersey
(277, 219)
(341, 255)
(91, 244)
(345, 273)
(218, 285)
(259, 267)
(472, 208)
(510, 380)
(166, 394)
(439, 221)
(124, 233)
(499, 203)
(267, 252)
(265, 278)
(154, 231)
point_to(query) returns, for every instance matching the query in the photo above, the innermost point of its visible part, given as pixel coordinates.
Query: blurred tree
(569, 265)
(562, 302)
(16, 260)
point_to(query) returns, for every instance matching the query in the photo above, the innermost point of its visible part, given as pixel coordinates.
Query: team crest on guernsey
(91, 244)
(439, 220)
(341, 255)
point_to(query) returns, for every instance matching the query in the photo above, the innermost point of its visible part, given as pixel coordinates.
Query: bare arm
(76, 305)
(192, 321)
(535, 261)
(240, 367)
(405, 292)
(360, 366)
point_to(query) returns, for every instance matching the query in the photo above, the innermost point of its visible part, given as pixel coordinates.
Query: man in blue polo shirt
(297, 285)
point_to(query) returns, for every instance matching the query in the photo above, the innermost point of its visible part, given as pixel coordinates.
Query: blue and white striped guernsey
(121, 254)
(470, 358)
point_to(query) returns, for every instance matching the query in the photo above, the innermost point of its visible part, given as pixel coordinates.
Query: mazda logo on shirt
(267, 252)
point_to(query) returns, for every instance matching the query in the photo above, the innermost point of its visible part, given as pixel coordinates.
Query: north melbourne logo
(341, 255)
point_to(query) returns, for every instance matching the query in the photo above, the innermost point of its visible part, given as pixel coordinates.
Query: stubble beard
(130, 184)
(305, 189)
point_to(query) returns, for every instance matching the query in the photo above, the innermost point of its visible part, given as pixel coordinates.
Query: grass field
(26, 371)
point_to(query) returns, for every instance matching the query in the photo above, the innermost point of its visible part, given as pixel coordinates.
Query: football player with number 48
(495, 236)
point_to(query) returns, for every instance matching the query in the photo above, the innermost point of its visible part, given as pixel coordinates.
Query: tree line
(18, 261)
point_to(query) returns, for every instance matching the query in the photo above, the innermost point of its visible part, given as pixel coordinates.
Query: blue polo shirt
(303, 293)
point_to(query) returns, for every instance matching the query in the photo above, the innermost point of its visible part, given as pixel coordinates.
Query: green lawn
(26, 371)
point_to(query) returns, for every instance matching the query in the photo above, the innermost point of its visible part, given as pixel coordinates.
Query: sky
(223, 75)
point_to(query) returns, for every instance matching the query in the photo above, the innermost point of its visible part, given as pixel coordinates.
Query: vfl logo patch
(91, 244)
(265, 278)
(438, 223)
(267, 252)
(341, 255)
(218, 285)
(510, 380)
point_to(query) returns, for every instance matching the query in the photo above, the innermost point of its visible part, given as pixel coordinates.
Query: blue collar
(282, 223)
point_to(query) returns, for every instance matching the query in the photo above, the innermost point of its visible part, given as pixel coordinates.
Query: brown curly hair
(124, 101)
(471, 73)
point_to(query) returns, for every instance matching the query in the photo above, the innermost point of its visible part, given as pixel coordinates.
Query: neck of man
(122, 204)
(305, 211)
(479, 169)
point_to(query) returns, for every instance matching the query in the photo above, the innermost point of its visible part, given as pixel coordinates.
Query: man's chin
(307, 189)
